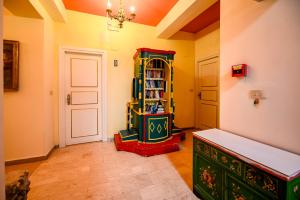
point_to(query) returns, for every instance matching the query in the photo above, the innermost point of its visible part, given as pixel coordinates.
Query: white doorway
(207, 93)
(82, 94)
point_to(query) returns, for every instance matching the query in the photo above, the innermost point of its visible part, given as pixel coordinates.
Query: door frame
(216, 55)
(62, 93)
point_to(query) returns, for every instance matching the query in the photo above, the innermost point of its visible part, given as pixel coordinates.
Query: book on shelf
(160, 109)
(152, 84)
(157, 95)
(161, 94)
(158, 83)
(154, 108)
(152, 94)
(147, 84)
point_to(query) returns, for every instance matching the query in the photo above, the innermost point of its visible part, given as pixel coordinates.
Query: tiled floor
(98, 171)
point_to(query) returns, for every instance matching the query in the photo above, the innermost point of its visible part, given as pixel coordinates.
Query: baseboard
(110, 139)
(187, 128)
(32, 159)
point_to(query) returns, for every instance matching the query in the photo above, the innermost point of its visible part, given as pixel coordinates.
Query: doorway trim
(201, 59)
(61, 80)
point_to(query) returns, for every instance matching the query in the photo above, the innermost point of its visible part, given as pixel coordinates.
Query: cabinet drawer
(236, 190)
(207, 179)
(264, 182)
(232, 164)
(201, 148)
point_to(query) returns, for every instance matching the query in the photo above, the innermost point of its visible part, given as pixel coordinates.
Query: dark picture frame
(11, 65)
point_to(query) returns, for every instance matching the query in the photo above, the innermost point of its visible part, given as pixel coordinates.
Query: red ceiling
(209, 16)
(148, 12)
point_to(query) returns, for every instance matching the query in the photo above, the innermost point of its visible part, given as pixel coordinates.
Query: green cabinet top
(282, 164)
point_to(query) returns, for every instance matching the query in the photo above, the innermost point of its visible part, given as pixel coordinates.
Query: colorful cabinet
(230, 167)
(150, 118)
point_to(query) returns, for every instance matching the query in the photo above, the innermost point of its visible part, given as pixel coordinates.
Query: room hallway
(98, 171)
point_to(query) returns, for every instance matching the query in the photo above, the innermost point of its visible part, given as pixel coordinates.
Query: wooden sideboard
(231, 167)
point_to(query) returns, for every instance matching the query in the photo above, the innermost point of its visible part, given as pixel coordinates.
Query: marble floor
(97, 171)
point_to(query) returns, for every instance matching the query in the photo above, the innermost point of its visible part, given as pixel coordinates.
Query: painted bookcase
(230, 167)
(150, 116)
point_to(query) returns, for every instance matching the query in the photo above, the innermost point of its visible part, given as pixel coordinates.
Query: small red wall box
(239, 70)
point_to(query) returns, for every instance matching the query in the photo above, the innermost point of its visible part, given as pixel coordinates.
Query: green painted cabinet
(209, 179)
(230, 167)
(237, 190)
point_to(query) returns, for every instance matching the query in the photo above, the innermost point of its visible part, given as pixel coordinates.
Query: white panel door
(207, 103)
(82, 94)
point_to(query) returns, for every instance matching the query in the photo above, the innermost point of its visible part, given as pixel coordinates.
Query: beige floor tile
(96, 171)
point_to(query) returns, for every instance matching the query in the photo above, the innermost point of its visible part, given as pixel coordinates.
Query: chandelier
(121, 14)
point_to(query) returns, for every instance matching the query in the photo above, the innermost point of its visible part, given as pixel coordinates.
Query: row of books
(155, 74)
(156, 64)
(157, 94)
(154, 108)
(155, 84)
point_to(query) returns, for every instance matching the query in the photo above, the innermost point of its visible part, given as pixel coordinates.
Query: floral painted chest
(231, 167)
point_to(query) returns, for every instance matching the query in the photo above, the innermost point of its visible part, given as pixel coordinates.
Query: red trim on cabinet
(146, 149)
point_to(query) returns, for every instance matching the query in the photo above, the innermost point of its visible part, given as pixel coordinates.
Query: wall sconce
(256, 95)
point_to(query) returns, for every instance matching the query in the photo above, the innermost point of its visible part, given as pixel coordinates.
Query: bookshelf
(150, 117)
(156, 92)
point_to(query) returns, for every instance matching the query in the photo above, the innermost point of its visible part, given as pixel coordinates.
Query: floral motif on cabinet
(214, 154)
(206, 150)
(236, 193)
(235, 166)
(208, 177)
(268, 184)
(263, 181)
(251, 176)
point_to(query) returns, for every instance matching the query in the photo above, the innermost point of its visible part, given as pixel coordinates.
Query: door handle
(68, 99)
(199, 95)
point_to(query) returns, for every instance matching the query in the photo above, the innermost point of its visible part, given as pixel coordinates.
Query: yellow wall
(2, 192)
(89, 31)
(28, 113)
(264, 35)
(208, 42)
(48, 65)
(23, 116)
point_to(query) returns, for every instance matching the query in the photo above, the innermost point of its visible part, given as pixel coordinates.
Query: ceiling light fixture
(120, 16)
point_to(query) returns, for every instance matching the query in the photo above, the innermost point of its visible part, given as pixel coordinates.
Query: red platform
(145, 149)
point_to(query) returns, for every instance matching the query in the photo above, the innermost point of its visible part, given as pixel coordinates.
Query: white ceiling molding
(56, 9)
(181, 14)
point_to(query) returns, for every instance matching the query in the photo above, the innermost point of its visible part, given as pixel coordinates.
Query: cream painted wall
(23, 116)
(48, 84)
(89, 31)
(2, 174)
(265, 35)
(29, 120)
(208, 42)
(48, 69)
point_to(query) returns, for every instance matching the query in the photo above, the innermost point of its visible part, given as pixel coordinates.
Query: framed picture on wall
(11, 65)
